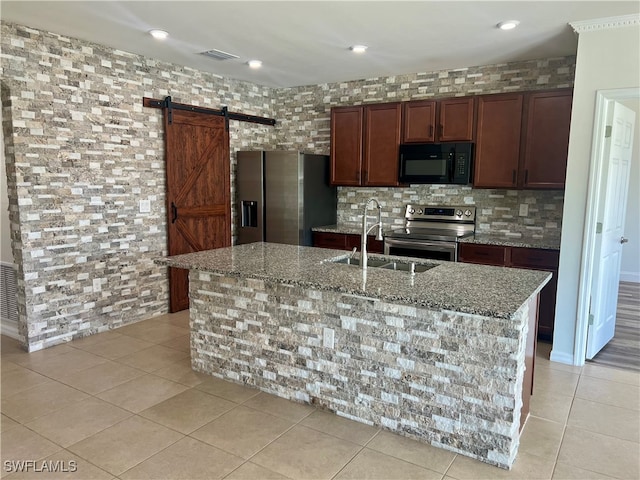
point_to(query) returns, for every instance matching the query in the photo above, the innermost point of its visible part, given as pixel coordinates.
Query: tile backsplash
(303, 115)
(497, 211)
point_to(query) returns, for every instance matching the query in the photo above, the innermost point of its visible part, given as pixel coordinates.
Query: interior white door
(610, 236)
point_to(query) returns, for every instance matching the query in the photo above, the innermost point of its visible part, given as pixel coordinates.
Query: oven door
(421, 249)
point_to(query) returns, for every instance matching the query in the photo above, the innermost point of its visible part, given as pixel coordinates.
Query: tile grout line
(248, 460)
(298, 423)
(154, 454)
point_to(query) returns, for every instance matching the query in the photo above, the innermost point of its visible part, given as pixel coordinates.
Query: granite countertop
(526, 241)
(348, 229)
(462, 287)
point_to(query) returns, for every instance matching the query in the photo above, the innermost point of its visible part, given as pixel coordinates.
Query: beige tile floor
(126, 405)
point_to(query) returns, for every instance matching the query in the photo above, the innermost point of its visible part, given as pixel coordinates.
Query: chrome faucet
(365, 231)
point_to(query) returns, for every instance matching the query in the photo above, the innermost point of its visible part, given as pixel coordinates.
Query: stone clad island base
(450, 379)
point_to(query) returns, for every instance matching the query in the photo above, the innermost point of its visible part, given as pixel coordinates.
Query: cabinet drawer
(373, 245)
(535, 258)
(483, 254)
(329, 240)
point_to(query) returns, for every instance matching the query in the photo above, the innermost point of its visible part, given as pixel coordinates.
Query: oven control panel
(463, 213)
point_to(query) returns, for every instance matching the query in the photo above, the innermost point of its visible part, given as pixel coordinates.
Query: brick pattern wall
(445, 378)
(497, 210)
(304, 116)
(82, 152)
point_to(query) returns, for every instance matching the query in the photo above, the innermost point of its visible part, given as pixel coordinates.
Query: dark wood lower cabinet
(529, 360)
(346, 241)
(519, 257)
(482, 254)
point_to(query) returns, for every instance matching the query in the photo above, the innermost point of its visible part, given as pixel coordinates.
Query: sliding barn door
(198, 191)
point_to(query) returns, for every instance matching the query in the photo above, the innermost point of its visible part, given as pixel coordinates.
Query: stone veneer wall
(497, 210)
(445, 378)
(304, 116)
(81, 153)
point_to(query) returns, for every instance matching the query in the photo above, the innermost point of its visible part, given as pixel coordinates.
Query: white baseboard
(633, 277)
(9, 328)
(561, 357)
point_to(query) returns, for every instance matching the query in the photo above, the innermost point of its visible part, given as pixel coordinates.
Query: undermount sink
(386, 264)
(406, 267)
(372, 262)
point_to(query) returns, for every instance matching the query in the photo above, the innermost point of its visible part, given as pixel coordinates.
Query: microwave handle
(451, 161)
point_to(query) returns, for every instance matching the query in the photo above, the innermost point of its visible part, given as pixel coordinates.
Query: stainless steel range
(431, 232)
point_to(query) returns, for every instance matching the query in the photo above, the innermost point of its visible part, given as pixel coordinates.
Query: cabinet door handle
(441, 130)
(513, 177)
(431, 130)
(526, 176)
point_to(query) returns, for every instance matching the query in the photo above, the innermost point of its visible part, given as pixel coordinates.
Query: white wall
(630, 271)
(606, 59)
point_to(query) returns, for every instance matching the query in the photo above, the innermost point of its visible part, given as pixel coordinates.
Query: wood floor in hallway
(624, 350)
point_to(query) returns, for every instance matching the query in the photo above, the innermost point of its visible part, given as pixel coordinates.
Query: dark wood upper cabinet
(456, 119)
(347, 126)
(448, 120)
(365, 142)
(382, 144)
(547, 117)
(419, 119)
(521, 139)
(498, 132)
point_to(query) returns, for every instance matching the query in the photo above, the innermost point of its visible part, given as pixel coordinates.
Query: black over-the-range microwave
(436, 163)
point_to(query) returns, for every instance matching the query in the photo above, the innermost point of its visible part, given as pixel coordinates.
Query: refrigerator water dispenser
(249, 216)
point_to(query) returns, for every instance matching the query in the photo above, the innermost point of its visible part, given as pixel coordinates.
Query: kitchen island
(440, 356)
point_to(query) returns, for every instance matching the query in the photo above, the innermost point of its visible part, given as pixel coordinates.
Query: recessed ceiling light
(158, 34)
(358, 48)
(508, 24)
(254, 63)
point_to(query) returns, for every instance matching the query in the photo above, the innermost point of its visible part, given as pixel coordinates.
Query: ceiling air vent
(218, 54)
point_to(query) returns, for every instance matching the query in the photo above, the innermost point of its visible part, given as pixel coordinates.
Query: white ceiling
(306, 42)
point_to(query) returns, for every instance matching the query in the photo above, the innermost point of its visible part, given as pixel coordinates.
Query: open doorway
(623, 351)
(591, 281)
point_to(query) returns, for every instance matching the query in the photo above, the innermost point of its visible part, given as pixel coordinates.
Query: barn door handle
(174, 212)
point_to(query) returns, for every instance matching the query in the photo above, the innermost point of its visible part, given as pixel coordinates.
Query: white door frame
(594, 197)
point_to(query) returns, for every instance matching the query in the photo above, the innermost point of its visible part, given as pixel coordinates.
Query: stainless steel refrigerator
(281, 195)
